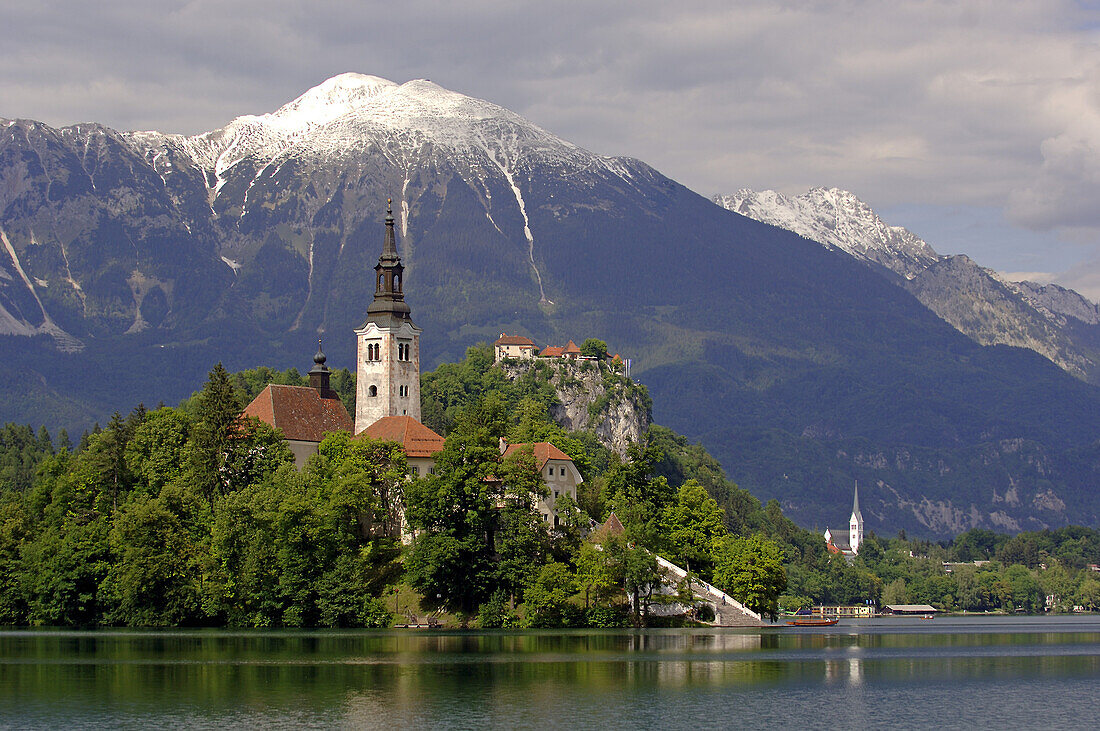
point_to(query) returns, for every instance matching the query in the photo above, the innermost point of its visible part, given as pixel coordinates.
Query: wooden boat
(813, 622)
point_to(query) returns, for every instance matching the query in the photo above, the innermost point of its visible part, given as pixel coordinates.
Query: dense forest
(189, 516)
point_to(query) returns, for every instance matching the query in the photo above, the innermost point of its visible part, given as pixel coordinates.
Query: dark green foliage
(494, 613)
(750, 570)
(192, 516)
(20, 453)
(594, 348)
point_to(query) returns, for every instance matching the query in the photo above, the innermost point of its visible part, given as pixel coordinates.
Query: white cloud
(979, 103)
(1084, 278)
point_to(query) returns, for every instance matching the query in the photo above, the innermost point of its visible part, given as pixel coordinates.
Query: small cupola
(319, 373)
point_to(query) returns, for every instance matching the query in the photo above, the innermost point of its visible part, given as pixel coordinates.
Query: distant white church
(848, 545)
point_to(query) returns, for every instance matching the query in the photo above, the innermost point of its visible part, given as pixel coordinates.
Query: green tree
(689, 527)
(594, 348)
(751, 571)
(155, 453)
(155, 579)
(216, 410)
(895, 593)
(1088, 592)
(450, 560)
(547, 598)
(635, 496)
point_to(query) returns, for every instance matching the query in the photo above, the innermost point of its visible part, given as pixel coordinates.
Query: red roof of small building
(417, 439)
(611, 527)
(506, 339)
(300, 412)
(552, 351)
(571, 347)
(544, 452)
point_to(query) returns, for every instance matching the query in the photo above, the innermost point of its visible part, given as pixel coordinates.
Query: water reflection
(223, 679)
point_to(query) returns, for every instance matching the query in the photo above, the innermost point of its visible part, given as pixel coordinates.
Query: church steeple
(388, 367)
(389, 307)
(855, 524)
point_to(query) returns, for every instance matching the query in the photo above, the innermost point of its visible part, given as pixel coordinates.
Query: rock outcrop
(592, 396)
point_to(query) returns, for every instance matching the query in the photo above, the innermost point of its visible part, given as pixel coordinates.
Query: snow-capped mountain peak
(836, 219)
(347, 112)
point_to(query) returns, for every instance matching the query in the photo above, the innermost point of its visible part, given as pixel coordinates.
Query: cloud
(1085, 278)
(978, 103)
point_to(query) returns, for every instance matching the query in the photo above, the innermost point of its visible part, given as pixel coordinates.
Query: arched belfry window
(397, 283)
(381, 278)
(372, 391)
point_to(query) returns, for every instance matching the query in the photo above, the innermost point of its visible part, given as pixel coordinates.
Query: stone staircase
(728, 612)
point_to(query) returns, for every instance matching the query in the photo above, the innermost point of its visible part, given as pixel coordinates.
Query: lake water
(968, 672)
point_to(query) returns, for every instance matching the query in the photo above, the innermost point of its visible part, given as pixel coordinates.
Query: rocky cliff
(592, 396)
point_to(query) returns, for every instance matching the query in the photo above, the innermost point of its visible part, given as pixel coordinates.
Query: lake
(948, 672)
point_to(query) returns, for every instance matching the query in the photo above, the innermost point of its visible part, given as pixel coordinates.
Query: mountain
(837, 220)
(801, 369)
(1058, 323)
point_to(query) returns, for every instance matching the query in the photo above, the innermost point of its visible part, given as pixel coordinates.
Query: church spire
(389, 307)
(389, 248)
(855, 524)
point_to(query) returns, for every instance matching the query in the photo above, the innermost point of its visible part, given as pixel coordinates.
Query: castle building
(513, 346)
(848, 545)
(303, 413)
(388, 345)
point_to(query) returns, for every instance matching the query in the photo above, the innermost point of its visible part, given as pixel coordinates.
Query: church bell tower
(855, 524)
(387, 345)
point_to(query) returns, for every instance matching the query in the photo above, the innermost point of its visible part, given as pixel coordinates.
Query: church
(387, 392)
(849, 544)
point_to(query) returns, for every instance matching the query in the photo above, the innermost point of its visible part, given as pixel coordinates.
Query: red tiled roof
(571, 347)
(544, 452)
(611, 527)
(551, 351)
(506, 339)
(417, 439)
(300, 412)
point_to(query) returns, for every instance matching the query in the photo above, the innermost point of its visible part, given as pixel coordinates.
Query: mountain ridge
(977, 301)
(799, 368)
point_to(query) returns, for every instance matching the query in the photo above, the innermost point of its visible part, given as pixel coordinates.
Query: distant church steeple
(388, 344)
(855, 524)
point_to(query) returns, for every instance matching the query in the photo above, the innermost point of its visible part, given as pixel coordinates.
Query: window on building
(372, 391)
(416, 470)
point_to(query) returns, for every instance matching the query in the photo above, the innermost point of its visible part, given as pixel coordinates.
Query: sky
(974, 124)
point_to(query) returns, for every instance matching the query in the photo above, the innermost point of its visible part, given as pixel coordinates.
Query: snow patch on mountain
(417, 126)
(979, 302)
(349, 111)
(836, 219)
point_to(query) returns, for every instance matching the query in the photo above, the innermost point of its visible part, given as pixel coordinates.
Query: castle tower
(387, 345)
(855, 525)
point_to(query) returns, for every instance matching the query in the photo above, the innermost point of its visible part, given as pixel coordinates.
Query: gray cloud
(943, 103)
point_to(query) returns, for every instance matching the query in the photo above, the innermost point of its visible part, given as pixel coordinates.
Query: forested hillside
(185, 516)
